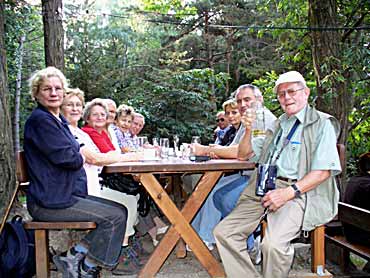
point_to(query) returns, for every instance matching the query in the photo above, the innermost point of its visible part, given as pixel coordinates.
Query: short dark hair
(364, 162)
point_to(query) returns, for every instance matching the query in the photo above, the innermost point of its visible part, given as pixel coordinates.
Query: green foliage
(170, 61)
(23, 19)
(177, 103)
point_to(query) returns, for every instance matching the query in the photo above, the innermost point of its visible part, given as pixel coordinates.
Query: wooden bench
(42, 228)
(359, 218)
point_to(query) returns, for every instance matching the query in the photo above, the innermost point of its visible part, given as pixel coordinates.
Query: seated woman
(124, 117)
(58, 185)
(234, 118)
(112, 108)
(208, 216)
(95, 115)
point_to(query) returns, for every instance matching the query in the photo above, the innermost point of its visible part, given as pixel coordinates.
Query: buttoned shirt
(325, 158)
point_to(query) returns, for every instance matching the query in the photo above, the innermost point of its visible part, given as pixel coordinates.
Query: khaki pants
(283, 226)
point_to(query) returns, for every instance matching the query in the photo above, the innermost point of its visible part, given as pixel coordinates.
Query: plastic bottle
(258, 127)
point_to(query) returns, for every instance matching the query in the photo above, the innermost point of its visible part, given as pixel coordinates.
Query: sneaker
(128, 263)
(162, 230)
(68, 266)
(155, 242)
(208, 244)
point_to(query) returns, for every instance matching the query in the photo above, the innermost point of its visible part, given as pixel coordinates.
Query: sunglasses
(220, 120)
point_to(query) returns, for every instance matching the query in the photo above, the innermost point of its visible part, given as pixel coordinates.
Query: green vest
(322, 201)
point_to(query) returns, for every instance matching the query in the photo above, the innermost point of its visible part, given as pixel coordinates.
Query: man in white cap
(303, 151)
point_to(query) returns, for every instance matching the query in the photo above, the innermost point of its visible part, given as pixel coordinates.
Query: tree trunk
(333, 95)
(17, 99)
(53, 33)
(7, 162)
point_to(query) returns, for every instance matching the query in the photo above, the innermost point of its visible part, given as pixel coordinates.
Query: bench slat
(360, 250)
(59, 225)
(355, 216)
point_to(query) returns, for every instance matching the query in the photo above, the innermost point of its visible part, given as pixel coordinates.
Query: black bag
(119, 182)
(17, 250)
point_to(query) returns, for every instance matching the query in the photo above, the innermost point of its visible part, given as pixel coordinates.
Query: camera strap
(286, 141)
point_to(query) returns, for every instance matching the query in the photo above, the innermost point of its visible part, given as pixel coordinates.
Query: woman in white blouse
(72, 109)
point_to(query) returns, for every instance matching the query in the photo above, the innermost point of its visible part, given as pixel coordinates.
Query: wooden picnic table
(212, 170)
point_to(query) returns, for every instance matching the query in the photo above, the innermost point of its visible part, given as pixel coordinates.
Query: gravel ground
(189, 267)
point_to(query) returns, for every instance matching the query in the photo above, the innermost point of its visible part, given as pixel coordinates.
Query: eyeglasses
(220, 120)
(290, 92)
(51, 89)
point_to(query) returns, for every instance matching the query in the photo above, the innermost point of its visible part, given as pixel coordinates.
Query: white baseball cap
(289, 77)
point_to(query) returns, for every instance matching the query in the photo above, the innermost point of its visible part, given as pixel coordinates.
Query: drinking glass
(155, 143)
(140, 142)
(165, 144)
(195, 139)
(175, 142)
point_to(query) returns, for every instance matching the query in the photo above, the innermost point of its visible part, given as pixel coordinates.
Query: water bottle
(258, 127)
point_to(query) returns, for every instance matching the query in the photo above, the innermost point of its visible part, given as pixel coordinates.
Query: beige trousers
(283, 226)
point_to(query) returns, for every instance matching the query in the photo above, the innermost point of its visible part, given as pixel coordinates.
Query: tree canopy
(178, 61)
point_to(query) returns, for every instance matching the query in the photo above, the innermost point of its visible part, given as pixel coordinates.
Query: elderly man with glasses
(302, 158)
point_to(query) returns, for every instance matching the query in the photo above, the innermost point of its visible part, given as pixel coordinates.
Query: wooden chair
(42, 228)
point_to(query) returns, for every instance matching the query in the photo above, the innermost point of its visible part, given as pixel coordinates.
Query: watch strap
(297, 192)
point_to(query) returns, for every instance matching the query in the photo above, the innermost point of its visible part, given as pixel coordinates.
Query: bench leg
(344, 260)
(42, 253)
(318, 250)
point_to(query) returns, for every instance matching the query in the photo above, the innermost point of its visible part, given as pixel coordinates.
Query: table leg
(178, 199)
(180, 224)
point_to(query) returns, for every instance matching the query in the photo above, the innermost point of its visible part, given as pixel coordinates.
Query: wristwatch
(297, 192)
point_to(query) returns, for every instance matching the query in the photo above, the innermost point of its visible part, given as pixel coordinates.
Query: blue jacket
(54, 162)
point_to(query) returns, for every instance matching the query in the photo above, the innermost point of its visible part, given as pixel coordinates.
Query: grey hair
(136, 114)
(89, 105)
(110, 101)
(256, 91)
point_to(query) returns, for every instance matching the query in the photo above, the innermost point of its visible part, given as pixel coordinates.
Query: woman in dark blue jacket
(58, 187)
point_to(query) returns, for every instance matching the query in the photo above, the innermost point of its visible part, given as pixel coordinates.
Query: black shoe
(88, 272)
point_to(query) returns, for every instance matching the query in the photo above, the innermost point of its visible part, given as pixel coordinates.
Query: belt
(286, 179)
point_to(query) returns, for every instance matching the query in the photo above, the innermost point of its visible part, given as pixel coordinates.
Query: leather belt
(286, 179)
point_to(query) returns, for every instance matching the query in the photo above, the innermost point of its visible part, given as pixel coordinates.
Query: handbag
(119, 182)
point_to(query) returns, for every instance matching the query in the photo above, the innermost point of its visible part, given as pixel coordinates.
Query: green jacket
(322, 201)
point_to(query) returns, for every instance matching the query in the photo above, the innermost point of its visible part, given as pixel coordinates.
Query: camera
(266, 177)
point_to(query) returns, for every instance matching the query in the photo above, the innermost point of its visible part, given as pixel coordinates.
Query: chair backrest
(21, 168)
